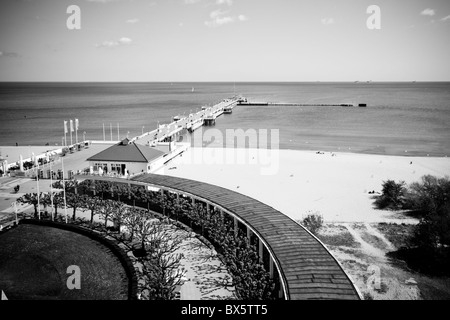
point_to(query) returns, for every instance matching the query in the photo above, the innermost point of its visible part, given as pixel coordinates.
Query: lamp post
(84, 136)
(142, 129)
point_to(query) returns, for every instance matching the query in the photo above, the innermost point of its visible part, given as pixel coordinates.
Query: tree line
(129, 210)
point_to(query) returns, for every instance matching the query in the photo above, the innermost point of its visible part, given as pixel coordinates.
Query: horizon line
(250, 81)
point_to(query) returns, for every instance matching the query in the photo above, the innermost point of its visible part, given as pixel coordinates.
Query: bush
(392, 196)
(431, 195)
(313, 222)
(367, 296)
(433, 231)
(429, 246)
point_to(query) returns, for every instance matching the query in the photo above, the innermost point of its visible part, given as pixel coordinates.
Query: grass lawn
(34, 261)
(397, 234)
(336, 235)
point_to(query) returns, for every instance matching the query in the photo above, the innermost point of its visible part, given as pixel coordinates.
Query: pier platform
(180, 125)
(287, 104)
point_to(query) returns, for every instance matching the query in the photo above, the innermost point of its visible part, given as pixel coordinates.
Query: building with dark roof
(127, 158)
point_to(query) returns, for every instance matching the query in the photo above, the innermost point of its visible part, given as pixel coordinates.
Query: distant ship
(193, 89)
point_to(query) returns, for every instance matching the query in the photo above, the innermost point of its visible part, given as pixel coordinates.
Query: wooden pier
(283, 104)
(181, 124)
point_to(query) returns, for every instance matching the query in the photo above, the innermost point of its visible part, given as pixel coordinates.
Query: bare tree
(93, 204)
(131, 220)
(161, 265)
(118, 212)
(107, 209)
(32, 199)
(74, 201)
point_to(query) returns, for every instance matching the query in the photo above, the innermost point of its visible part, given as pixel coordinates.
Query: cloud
(219, 21)
(445, 18)
(101, 1)
(113, 44)
(125, 40)
(9, 54)
(217, 2)
(219, 18)
(242, 17)
(216, 13)
(107, 44)
(228, 2)
(327, 21)
(132, 21)
(428, 12)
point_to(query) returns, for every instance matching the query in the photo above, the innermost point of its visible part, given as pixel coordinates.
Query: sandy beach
(298, 182)
(336, 185)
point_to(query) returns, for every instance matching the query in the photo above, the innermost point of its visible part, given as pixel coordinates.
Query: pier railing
(167, 131)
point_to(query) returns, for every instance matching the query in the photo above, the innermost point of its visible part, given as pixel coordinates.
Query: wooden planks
(308, 268)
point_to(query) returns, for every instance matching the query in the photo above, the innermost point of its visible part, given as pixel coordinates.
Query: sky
(224, 40)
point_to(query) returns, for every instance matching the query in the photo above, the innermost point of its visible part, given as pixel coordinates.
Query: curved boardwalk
(306, 268)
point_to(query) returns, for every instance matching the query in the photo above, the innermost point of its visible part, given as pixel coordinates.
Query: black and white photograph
(229, 157)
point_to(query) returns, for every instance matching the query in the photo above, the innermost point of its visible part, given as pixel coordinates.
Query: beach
(299, 182)
(335, 185)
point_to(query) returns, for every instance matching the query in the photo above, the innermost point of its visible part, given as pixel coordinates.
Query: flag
(71, 125)
(76, 124)
(65, 126)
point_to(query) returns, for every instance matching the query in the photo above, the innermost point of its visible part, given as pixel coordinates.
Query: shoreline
(298, 182)
(6, 150)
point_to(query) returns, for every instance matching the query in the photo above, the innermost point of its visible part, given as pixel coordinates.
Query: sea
(410, 119)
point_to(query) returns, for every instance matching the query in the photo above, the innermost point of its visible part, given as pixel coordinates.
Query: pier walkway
(288, 104)
(169, 132)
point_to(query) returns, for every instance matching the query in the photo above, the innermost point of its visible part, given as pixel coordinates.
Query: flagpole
(76, 131)
(110, 129)
(118, 134)
(64, 188)
(38, 194)
(51, 191)
(71, 130)
(65, 133)
(104, 137)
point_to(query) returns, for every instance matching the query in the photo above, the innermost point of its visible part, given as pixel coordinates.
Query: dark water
(399, 117)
